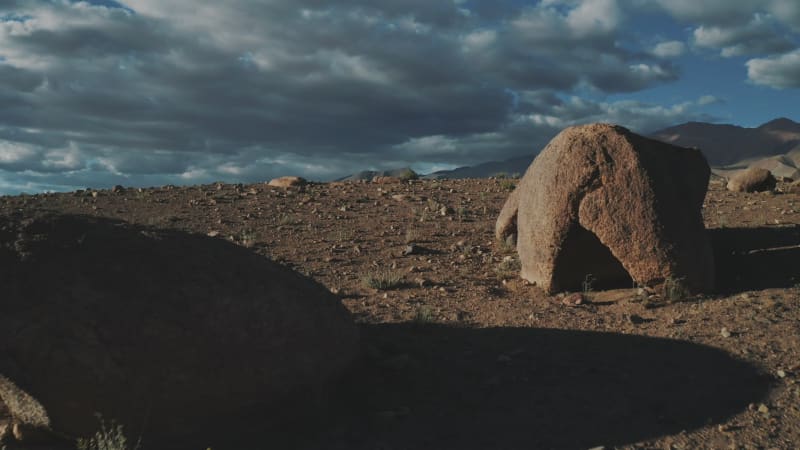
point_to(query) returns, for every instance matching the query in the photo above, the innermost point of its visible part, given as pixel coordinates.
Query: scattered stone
(725, 333)
(753, 179)
(212, 233)
(781, 374)
(400, 197)
(385, 180)
(594, 186)
(575, 299)
(286, 182)
(117, 189)
(411, 249)
(763, 409)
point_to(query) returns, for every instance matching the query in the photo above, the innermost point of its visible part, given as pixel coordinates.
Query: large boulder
(166, 333)
(603, 207)
(754, 179)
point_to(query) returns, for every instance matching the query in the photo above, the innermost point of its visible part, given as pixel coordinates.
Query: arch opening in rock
(586, 263)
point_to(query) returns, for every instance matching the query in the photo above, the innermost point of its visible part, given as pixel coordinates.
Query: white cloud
(782, 71)
(669, 49)
(759, 35)
(708, 100)
(595, 16)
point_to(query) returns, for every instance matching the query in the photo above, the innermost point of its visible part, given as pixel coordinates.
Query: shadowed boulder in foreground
(602, 202)
(439, 387)
(165, 332)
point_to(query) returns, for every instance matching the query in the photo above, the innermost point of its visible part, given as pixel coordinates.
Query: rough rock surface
(287, 182)
(162, 331)
(506, 224)
(601, 206)
(753, 179)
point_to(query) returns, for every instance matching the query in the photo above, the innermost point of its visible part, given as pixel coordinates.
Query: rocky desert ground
(459, 353)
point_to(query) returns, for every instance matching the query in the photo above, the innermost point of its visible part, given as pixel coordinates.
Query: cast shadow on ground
(439, 387)
(755, 258)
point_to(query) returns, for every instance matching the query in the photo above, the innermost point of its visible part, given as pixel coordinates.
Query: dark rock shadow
(438, 387)
(756, 258)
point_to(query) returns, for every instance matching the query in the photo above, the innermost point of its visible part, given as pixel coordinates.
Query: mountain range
(774, 145)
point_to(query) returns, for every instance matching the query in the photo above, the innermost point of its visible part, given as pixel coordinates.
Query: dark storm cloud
(197, 90)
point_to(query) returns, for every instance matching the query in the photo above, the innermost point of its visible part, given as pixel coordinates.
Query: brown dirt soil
(462, 354)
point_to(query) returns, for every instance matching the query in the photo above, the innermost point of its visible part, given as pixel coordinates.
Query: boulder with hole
(604, 206)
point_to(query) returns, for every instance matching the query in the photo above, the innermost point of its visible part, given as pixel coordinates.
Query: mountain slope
(730, 144)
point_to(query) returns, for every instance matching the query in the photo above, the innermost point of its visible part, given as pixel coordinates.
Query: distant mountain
(774, 145)
(513, 166)
(729, 144)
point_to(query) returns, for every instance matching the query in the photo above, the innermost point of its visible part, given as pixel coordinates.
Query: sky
(152, 92)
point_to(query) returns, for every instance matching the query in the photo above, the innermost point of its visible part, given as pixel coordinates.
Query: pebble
(410, 249)
(725, 333)
(573, 300)
(762, 408)
(781, 374)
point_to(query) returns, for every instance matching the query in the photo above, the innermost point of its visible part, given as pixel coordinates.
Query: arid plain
(459, 352)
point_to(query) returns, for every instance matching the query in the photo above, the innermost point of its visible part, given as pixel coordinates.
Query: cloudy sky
(151, 92)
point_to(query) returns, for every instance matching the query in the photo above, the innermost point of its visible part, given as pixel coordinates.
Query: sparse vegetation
(407, 175)
(587, 286)
(111, 436)
(424, 314)
(383, 280)
(508, 184)
(248, 238)
(675, 289)
(507, 268)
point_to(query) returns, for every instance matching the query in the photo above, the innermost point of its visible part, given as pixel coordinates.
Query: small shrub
(383, 280)
(248, 238)
(110, 437)
(407, 175)
(588, 283)
(508, 184)
(675, 289)
(424, 314)
(508, 268)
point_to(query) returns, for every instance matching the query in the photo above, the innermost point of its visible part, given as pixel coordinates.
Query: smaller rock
(763, 409)
(411, 249)
(781, 374)
(725, 333)
(212, 233)
(752, 180)
(385, 180)
(117, 189)
(286, 182)
(573, 300)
